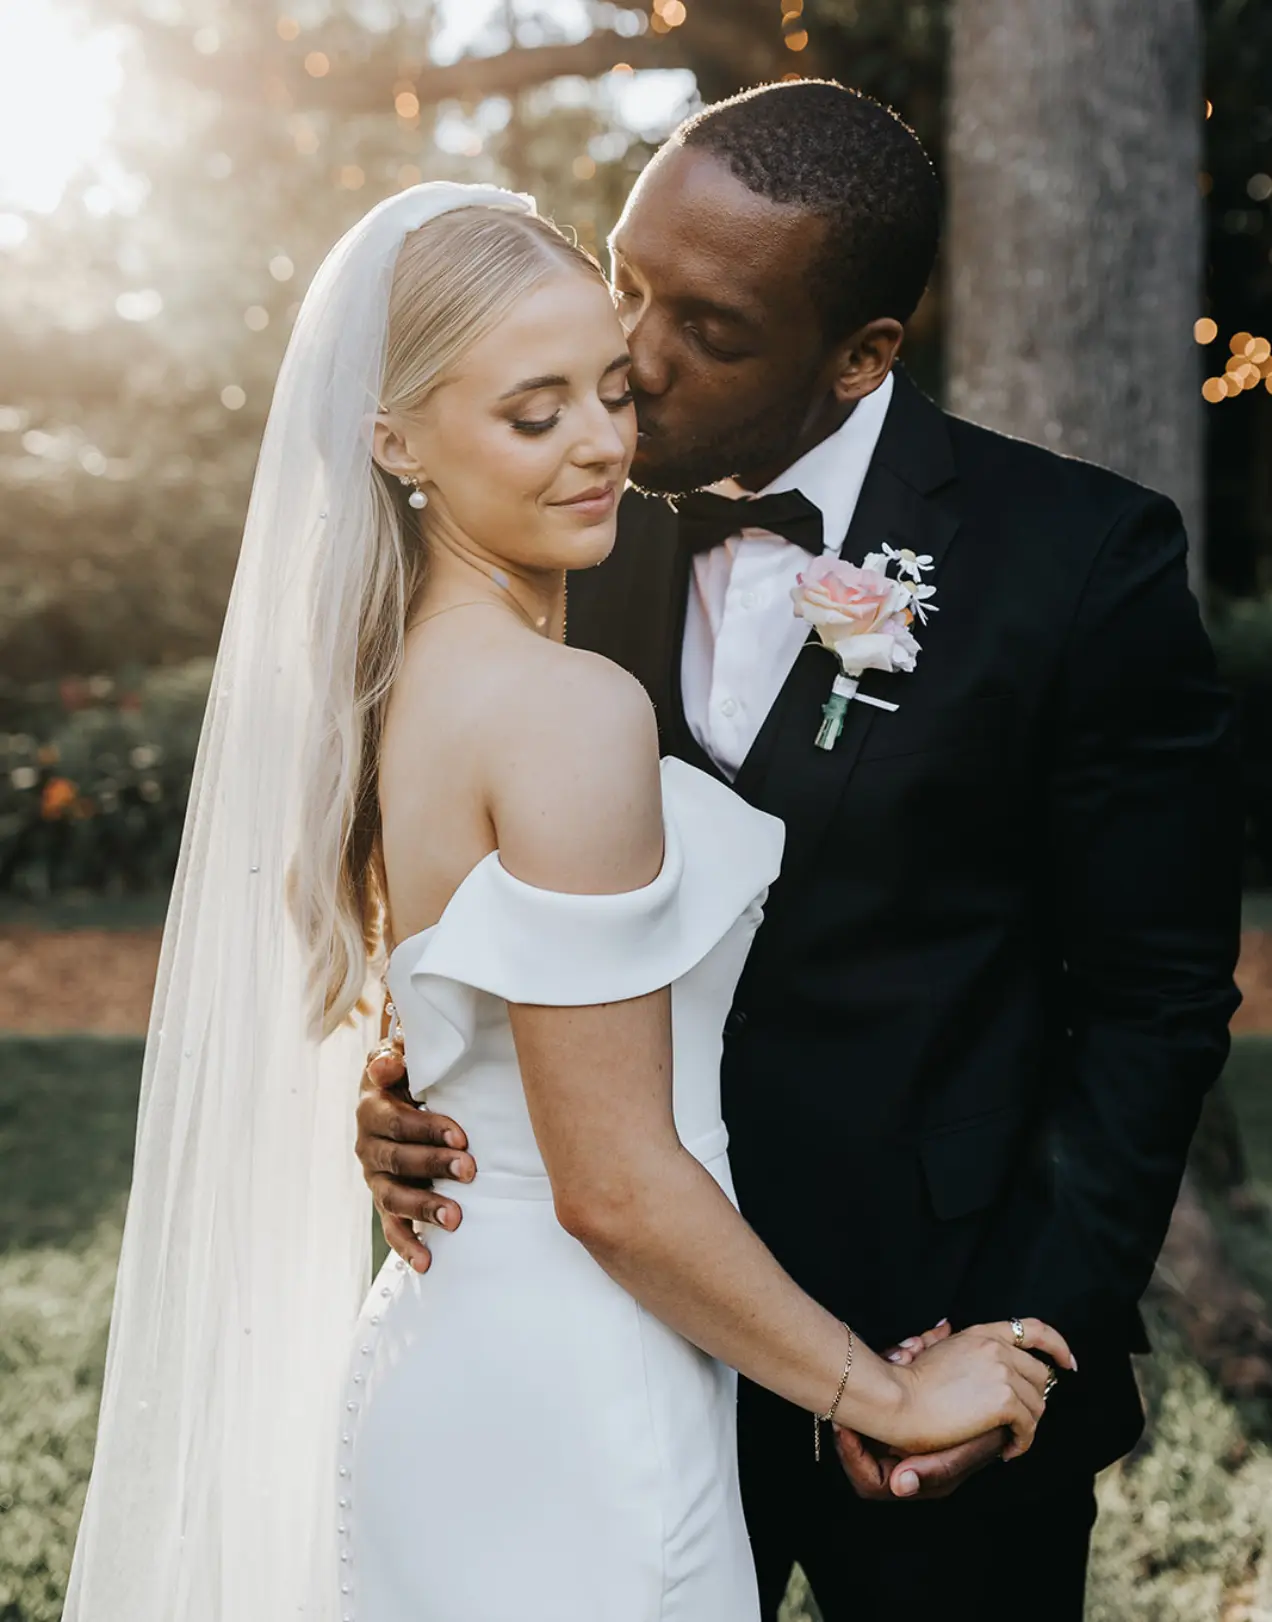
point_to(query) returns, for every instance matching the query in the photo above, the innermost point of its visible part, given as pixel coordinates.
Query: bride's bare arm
(577, 808)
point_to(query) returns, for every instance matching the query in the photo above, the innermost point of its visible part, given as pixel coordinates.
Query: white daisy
(910, 566)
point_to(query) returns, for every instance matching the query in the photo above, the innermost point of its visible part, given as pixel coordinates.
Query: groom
(995, 978)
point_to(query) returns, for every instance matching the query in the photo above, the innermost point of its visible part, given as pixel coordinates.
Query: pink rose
(859, 614)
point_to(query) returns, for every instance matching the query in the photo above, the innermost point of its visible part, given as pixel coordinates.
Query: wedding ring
(1053, 1380)
(1017, 1333)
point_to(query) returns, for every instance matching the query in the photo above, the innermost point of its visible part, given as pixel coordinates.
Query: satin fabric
(580, 1456)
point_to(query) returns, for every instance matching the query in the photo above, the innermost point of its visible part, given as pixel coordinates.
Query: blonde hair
(454, 279)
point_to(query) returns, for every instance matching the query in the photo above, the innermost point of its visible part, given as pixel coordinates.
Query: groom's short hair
(854, 163)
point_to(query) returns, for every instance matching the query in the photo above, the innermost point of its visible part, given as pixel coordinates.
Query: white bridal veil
(247, 1243)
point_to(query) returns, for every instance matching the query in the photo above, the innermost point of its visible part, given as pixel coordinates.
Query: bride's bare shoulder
(575, 789)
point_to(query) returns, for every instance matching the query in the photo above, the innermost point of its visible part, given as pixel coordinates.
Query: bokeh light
(58, 81)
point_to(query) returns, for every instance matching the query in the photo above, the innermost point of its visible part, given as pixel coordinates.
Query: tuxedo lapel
(785, 773)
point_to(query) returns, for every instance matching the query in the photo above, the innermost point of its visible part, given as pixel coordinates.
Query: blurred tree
(1075, 232)
(141, 332)
(1075, 253)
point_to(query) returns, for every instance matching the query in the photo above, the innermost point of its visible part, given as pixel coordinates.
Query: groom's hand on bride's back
(402, 1148)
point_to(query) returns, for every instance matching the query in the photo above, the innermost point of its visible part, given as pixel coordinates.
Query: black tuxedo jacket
(995, 977)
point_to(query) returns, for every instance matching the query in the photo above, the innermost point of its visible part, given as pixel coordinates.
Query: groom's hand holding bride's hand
(883, 1475)
(402, 1148)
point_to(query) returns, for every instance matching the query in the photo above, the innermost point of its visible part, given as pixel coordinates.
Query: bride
(403, 767)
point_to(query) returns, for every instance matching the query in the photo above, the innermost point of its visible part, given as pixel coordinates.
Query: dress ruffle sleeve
(524, 944)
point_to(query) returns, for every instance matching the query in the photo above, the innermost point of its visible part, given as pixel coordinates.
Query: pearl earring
(417, 498)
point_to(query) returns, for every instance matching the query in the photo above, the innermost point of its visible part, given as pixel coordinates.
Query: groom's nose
(650, 373)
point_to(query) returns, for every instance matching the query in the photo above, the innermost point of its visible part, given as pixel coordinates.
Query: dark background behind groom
(243, 136)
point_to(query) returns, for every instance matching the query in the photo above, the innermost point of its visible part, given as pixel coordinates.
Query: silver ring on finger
(1017, 1333)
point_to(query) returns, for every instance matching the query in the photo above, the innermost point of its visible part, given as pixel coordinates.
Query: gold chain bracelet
(828, 1417)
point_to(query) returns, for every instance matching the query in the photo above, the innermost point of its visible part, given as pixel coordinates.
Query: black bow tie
(707, 519)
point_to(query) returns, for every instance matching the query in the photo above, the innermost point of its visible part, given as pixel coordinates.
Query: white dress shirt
(741, 632)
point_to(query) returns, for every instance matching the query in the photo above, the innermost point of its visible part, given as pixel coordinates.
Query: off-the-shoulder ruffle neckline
(671, 858)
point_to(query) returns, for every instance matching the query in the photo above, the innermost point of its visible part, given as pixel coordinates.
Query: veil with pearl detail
(247, 1243)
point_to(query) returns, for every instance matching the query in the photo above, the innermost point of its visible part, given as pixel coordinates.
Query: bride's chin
(590, 546)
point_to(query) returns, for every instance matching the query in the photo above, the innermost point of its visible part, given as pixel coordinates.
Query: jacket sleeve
(1143, 865)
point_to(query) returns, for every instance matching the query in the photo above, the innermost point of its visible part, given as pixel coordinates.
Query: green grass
(67, 1110)
(1184, 1529)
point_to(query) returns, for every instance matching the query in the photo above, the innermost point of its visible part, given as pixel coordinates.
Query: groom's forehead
(689, 219)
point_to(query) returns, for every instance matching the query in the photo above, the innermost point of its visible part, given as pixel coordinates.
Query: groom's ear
(865, 358)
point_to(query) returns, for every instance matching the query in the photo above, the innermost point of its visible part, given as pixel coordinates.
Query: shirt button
(729, 707)
(748, 599)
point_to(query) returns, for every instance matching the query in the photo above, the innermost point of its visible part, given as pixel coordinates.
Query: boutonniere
(864, 616)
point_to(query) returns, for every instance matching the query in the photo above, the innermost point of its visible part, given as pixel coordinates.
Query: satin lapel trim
(785, 773)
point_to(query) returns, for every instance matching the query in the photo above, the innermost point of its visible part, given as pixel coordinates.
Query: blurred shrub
(94, 777)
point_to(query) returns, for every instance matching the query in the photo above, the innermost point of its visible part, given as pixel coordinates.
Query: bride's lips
(593, 504)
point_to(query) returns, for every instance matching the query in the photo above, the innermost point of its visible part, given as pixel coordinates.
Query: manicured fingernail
(1073, 1362)
(896, 1357)
(907, 1484)
(453, 1141)
(942, 1323)
(914, 1344)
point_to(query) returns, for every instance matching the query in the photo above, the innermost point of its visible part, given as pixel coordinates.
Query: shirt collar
(832, 473)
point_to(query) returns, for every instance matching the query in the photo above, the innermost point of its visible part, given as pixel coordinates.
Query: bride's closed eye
(532, 426)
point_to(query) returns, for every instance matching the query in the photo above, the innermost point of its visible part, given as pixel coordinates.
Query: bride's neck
(461, 571)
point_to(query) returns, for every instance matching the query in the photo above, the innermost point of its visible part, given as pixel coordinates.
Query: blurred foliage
(61, 1214)
(1241, 630)
(94, 778)
(124, 472)
(1183, 1534)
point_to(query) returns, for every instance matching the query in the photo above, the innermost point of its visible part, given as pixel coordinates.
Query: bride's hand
(975, 1382)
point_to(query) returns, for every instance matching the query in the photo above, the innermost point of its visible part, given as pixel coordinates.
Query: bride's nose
(602, 442)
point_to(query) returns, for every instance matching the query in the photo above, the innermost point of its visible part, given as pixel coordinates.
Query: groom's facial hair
(768, 438)
(731, 369)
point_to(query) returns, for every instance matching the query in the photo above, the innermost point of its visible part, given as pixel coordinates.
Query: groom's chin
(653, 475)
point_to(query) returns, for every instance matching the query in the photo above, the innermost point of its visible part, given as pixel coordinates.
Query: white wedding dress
(522, 1442)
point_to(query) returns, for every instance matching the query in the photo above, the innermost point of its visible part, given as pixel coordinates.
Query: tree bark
(1075, 236)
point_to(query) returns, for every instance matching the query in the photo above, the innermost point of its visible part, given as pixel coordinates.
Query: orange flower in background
(59, 793)
(48, 754)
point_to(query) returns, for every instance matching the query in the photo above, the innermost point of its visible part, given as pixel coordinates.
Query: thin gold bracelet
(827, 1418)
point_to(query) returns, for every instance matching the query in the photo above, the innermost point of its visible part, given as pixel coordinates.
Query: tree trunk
(1074, 277)
(1075, 238)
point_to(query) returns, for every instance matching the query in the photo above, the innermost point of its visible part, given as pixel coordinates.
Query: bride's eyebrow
(529, 384)
(556, 381)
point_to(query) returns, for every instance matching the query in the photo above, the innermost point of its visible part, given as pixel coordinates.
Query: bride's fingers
(908, 1350)
(1026, 1410)
(1039, 1337)
(1028, 1367)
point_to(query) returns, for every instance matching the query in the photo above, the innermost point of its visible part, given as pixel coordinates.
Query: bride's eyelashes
(533, 426)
